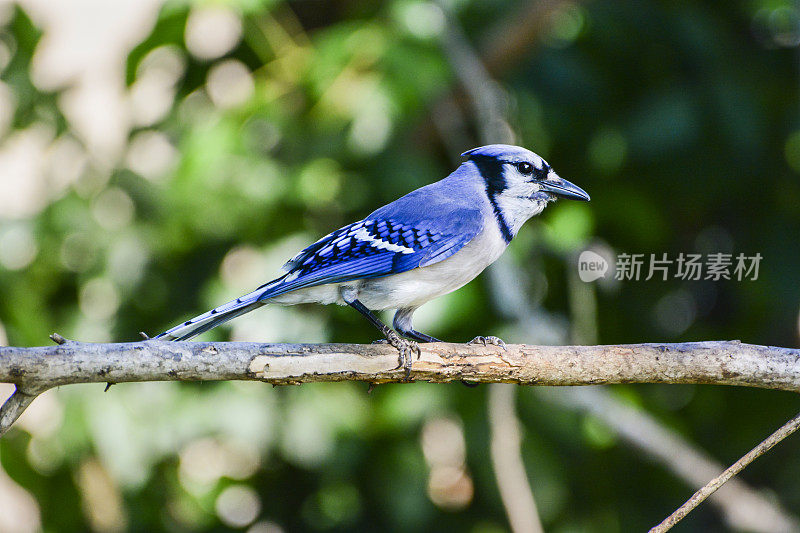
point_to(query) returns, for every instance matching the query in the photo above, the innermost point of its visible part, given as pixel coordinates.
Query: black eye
(525, 168)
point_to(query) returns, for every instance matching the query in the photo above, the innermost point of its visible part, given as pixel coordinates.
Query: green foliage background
(680, 119)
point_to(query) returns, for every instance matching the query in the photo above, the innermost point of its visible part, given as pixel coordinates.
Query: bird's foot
(496, 341)
(407, 349)
(480, 339)
(380, 341)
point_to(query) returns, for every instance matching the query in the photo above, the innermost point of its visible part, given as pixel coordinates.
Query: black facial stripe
(505, 231)
(491, 169)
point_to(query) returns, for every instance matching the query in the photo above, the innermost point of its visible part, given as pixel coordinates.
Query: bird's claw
(407, 349)
(496, 341)
(480, 339)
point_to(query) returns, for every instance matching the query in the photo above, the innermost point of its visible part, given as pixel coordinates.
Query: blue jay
(430, 242)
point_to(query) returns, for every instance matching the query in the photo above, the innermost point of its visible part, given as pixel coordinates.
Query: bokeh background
(158, 158)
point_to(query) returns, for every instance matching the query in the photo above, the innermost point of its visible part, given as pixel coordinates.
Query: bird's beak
(560, 187)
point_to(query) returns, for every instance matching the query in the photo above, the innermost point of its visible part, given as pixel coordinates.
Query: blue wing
(374, 247)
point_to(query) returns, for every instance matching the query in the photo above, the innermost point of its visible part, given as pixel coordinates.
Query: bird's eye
(525, 168)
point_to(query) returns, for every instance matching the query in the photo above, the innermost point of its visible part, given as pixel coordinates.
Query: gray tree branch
(716, 362)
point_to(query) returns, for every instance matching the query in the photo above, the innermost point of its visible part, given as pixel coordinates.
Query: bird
(423, 245)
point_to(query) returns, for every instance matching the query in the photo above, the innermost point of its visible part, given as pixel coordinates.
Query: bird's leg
(496, 341)
(402, 323)
(406, 347)
(417, 336)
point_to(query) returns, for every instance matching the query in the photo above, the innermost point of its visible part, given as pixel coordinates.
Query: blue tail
(223, 313)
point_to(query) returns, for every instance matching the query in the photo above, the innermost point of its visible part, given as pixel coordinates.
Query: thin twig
(743, 507)
(14, 406)
(787, 429)
(509, 469)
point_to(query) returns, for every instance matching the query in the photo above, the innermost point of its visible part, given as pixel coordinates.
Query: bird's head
(519, 183)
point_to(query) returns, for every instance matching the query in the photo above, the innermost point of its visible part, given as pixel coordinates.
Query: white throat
(517, 211)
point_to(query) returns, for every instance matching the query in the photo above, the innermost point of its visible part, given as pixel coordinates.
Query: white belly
(414, 287)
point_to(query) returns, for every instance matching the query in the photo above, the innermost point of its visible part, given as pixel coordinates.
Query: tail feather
(196, 326)
(214, 318)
